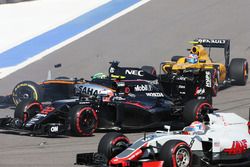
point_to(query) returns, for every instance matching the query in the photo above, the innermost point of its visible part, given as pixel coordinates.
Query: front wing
(12, 125)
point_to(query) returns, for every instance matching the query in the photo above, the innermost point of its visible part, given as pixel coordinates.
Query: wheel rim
(182, 157)
(24, 93)
(87, 121)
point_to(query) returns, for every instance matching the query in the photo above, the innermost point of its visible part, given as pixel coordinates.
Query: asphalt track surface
(151, 34)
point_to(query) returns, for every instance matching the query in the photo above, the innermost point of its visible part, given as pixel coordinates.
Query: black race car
(63, 87)
(105, 104)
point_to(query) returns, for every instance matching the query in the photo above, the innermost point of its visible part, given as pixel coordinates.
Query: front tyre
(194, 110)
(83, 120)
(27, 109)
(176, 153)
(112, 144)
(238, 70)
(26, 90)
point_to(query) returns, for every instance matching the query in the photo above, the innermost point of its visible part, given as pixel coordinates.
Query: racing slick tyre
(194, 110)
(149, 69)
(176, 58)
(238, 71)
(112, 144)
(176, 153)
(83, 120)
(27, 109)
(26, 90)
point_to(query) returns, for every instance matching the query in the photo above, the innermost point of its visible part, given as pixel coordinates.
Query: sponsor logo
(84, 102)
(200, 91)
(181, 86)
(181, 78)
(237, 147)
(215, 41)
(87, 90)
(155, 82)
(134, 72)
(54, 129)
(155, 94)
(208, 79)
(141, 88)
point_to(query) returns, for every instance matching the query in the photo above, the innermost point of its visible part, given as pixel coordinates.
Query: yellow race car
(198, 76)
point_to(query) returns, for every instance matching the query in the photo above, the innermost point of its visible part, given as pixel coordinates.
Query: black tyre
(149, 69)
(112, 144)
(176, 153)
(27, 90)
(83, 120)
(238, 70)
(27, 109)
(176, 58)
(194, 110)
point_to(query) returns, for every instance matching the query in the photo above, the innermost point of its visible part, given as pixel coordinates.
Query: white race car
(222, 139)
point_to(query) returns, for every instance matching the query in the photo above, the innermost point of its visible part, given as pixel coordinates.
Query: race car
(221, 139)
(198, 76)
(104, 104)
(63, 87)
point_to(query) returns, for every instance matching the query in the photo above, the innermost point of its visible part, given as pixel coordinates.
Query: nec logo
(134, 72)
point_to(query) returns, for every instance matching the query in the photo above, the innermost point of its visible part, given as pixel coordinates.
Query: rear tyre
(26, 90)
(176, 153)
(238, 70)
(149, 69)
(27, 109)
(83, 120)
(112, 144)
(194, 110)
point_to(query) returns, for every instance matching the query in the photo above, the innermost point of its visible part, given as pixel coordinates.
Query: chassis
(105, 104)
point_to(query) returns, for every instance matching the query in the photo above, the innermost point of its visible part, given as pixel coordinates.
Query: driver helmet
(195, 127)
(106, 95)
(99, 76)
(192, 58)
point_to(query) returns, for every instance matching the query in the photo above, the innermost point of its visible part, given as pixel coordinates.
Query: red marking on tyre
(201, 107)
(78, 120)
(120, 138)
(26, 114)
(33, 104)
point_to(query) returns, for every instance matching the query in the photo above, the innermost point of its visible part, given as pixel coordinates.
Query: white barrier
(11, 1)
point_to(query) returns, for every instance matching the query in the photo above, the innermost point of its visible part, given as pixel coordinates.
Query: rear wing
(216, 43)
